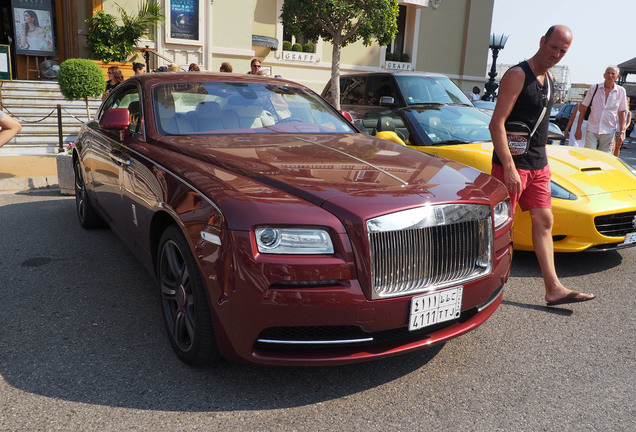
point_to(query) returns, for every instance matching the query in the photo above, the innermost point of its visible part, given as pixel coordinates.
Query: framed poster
(183, 20)
(5, 62)
(33, 27)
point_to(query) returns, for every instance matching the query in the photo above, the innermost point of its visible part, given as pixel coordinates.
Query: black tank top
(528, 109)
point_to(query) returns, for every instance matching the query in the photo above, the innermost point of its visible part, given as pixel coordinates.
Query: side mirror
(347, 115)
(116, 119)
(387, 101)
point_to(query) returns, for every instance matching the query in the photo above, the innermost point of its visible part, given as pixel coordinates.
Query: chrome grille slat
(437, 247)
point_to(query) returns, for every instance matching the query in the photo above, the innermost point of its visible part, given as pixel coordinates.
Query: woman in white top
(574, 118)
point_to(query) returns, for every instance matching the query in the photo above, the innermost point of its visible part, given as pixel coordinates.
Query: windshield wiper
(455, 141)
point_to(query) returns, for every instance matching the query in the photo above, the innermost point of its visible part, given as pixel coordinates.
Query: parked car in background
(372, 91)
(555, 135)
(592, 192)
(278, 233)
(563, 116)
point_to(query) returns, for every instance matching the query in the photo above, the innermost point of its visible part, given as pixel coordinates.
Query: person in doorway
(9, 127)
(225, 67)
(255, 66)
(608, 108)
(526, 95)
(115, 77)
(139, 68)
(474, 96)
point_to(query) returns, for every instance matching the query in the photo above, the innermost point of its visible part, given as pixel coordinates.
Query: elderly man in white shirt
(608, 103)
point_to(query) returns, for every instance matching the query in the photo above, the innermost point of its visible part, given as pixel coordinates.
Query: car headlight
(502, 212)
(293, 241)
(560, 192)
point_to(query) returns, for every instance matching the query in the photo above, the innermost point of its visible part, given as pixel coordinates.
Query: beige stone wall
(452, 40)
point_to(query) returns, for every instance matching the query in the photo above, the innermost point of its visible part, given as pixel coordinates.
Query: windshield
(448, 124)
(423, 89)
(231, 107)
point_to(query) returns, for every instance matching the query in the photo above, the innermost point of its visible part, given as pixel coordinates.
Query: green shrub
(109, 41)
(297, 47)
(287, 46)
(389, 56)
(405, 58)
(80, 79)
(308, 48)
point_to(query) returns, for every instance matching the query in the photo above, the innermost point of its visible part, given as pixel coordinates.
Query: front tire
(88, 217)
(185, 308)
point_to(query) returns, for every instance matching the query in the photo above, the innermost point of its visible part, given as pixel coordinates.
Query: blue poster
(33, 27)
(184, 19)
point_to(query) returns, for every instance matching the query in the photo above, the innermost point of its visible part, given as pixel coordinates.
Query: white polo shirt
(604, 116)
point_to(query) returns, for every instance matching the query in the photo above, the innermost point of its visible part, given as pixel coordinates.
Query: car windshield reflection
(434, 89)
(232, 108)
(450, 124)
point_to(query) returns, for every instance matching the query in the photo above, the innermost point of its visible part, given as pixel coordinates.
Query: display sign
(5, 62)
(33, 27)
(184, 19)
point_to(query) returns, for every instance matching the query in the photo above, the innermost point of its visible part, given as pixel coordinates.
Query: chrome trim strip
(494, 299)
(354, 158)
(316, 342)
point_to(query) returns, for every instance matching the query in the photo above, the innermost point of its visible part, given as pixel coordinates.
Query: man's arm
(509, 90)
(9, 128)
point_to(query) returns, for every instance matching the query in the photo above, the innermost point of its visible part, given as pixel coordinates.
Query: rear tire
(185, 308)
(88, 217)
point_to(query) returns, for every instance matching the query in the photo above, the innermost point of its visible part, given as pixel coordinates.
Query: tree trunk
(88, 111)
(335, 75)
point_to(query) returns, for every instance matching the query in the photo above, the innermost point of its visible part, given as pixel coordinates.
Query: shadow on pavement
(81, 321)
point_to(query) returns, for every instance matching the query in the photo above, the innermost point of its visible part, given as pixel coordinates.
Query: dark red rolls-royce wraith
(280, 234)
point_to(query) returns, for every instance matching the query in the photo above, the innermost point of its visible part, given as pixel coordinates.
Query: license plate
(436, 307)
(630, 238)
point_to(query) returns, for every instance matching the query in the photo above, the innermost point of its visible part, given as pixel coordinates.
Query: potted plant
(110, 42)
(80, 79)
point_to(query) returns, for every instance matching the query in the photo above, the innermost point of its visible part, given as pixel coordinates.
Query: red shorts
(535, 187)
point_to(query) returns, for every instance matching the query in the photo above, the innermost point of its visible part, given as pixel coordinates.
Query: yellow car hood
(582, 171)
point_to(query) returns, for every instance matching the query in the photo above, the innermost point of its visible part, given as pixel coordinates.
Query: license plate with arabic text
(436, 307)
(630, 238)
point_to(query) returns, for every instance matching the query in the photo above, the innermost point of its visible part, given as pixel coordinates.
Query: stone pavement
(19, 173)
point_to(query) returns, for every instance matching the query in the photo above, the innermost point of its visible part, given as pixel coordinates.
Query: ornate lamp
(497, 42)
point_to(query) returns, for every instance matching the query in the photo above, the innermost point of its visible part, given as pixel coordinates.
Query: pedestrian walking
(608, 108)
(526, 96)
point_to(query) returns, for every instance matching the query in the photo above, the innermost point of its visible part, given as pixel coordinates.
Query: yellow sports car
(593, 193)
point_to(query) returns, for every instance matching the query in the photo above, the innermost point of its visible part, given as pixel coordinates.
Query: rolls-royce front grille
(616, 225)
(428, 248)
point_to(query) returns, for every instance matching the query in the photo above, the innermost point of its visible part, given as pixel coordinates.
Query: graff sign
(299, 56)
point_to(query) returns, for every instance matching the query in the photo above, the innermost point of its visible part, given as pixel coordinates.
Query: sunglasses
(256, 66)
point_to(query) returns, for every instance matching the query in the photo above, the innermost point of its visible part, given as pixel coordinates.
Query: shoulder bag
(519, 133)
(589, 107)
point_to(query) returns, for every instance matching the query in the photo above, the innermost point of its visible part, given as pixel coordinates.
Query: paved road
(82, 347)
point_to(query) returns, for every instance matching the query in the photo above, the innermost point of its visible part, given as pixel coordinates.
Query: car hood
(582, 171)
(589, 172)
(319, 168)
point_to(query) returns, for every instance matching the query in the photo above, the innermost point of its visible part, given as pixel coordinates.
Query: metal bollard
(60, 136)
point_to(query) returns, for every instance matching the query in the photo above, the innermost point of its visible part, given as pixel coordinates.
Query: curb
(18, 184)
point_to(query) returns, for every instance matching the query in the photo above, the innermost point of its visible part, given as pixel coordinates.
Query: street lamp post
(497, 42)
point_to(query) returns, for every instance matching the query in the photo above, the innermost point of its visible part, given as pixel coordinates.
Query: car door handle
(119, 157)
